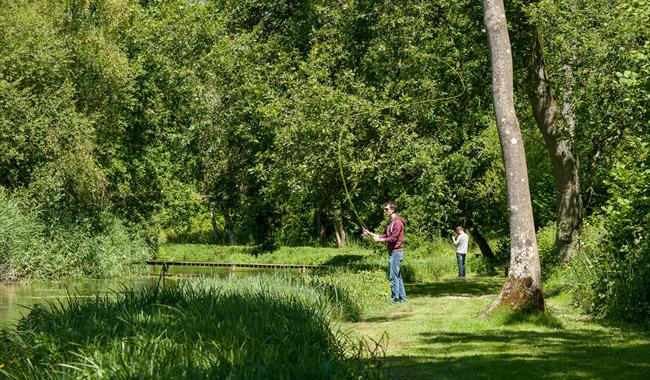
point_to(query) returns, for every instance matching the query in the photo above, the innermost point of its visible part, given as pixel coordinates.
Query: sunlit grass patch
(422, 264)
(243, 254)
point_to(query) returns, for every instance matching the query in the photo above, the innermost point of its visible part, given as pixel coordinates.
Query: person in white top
(461, 241)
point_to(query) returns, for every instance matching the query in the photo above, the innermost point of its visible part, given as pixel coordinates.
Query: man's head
(459, 230)
(389, 208)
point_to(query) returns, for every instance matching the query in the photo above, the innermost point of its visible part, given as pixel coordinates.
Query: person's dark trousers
(397, 291)
(460, 258)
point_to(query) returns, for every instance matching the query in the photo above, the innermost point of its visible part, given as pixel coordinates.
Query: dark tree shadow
(387, 318)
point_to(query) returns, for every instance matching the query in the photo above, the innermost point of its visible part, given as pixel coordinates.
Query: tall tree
(558, 132)
(523, 288)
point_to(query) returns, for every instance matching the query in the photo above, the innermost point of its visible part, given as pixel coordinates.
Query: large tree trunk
(560, 147)
(523, 289)
(482, 243)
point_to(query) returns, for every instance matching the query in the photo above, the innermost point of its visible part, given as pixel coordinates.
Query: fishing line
(398, 105)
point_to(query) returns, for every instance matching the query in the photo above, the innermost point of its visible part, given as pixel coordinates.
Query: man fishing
(393, 236)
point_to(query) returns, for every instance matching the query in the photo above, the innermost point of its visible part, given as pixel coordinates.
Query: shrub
(621, 264)
(605, 280)
(546, 249)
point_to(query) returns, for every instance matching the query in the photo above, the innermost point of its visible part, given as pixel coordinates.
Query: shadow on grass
(470, 287)
(585, 354)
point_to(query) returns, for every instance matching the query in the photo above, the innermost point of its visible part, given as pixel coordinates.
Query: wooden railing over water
(233, 266)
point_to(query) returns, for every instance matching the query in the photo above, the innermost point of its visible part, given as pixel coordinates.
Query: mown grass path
(440, 334)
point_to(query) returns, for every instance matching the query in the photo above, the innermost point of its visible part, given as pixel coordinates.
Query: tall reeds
(31, 249)
(253, 328)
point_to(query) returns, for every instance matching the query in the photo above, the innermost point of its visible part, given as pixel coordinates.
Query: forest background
(126, 124)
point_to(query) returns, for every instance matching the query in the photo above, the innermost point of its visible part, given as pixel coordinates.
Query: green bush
(621, 264)
(546, 249)
(577, 277)
(606, 280)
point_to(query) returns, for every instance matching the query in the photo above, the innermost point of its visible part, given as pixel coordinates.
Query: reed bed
(31, 249)
(253, 328)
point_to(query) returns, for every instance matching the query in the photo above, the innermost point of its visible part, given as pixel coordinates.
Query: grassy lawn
(440, 334)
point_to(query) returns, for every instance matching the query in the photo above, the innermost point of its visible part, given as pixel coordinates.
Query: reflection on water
(16, 299)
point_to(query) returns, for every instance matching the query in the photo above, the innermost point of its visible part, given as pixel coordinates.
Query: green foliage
(608, 276)
(29, 249)
(606, 49)
(241, 122)
(243, 104)
(476, 180)
(546, 249)
(577, 277)
(47, 146)
(623, 264)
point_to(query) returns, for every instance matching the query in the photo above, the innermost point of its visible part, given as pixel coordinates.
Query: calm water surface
(16, 299)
